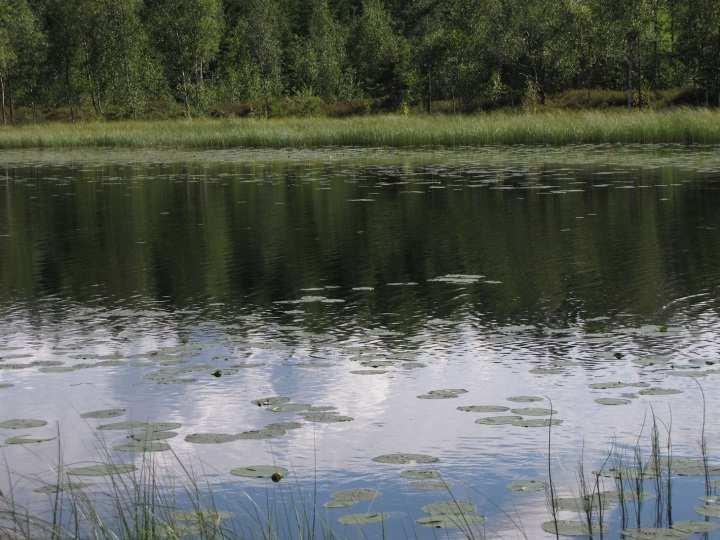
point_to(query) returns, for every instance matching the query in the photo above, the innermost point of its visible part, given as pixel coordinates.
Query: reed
(552, 127)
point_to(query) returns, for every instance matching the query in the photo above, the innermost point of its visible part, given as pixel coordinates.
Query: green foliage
(124, 58)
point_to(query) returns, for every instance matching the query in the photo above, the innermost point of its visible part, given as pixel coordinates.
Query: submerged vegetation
(683, 126)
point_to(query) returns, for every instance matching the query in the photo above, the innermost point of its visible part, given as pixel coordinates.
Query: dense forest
(130, 58)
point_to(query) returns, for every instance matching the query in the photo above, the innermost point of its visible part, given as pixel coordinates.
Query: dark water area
(181, 287)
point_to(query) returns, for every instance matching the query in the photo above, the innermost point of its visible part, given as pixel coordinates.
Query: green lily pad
(27, 439)
(580, 504)
(448, 393)
(569, 528)
(649, 533)
(326, 417)
(613, 401)
(693, 467)
(533, 411)
(102, 469)
(22, 423)
(526, 399)
(547, 371)
(656, 391)
(527, 486)
(153, 435)
(498, 420)
(405, 459)
(145, 426)
(260, 471)
(420, 475)
(284, 426)
(483, 409)
(107, 413)
(272, 401)
(364, 519)
(4, 386)
(290, 408)
(443, 508)
(142, 446)
(369, 372)
(695, 527)
(451, 521)
(208, 517)
(709, 510)
(212, 438)
(537, 422)
(54, 489)
(351, 497)
(428, 485)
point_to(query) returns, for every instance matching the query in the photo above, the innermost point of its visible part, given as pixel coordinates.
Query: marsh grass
(683, 125)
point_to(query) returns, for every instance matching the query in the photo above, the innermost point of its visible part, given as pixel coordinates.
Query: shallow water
(299, 274)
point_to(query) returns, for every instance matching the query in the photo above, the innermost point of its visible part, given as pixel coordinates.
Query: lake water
(182, 286)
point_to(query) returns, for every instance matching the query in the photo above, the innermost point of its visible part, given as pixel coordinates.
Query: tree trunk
(2, 91)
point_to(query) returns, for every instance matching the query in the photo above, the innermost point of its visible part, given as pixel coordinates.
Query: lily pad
(3, 386)
(405, 459)
(153, 435)
(102, 469)
(444, 508)
(420, 475)
(272, 401)
(27, 439)
(290, 408)
(107, 413)
(326, 417)
(498, 420)
(142, 446)
(695, 527)
(547, 371)
(649, 533)
(146, 426)
(448, 393)
(428, 485)
(284, 426)
(451, 521)
(363, 519)
(569, 528)
(709, 510)
(533, 411)
(483, 409)
(212, 438)
(656, 391)
(54, 489)
(527, 486)
(351, 497)
(537, 422)
(260, 471)
(613, 401)
(22, 423)
(369, 372)
(526, 399)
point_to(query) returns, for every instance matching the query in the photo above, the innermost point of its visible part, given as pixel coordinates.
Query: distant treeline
(150, 58)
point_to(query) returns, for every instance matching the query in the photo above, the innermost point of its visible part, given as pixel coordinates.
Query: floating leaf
(260, 471)
(3, 386)
(290, 408)
(653, 534)
(451, 521)
(449, 393)
(449, 508)
(569, 528)
(405, 459)
(709, 510)
(143, 446)
(212, 438)
(102, 469)
(22, 423)
(695, 527)
(429, 485)
(54, 489)
(27, 439)
(525, 399)
(272, 401)
(498, 420)
(153, 435)
(145, 426)
(483, 408)
(326, 417)
(612, 401)
(369, 372)
(363, 519)
(351, 497)
(420, 475)
(533, 411)
(523, 486)
(656, 391)
(537, 422)
(107, 413)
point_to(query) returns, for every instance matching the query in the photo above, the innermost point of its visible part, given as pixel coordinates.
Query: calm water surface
(314, 276)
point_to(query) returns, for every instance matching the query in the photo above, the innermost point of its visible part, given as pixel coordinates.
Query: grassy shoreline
(684, 126)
